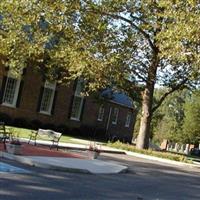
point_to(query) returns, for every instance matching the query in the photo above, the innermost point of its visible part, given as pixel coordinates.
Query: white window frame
(128, 120)
(115, 116)
(78, 94)
(52, 86)
(101, 113)
(10, 75)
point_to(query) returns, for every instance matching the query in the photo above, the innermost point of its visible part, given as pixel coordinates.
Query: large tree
(130, 45)
(151, 42)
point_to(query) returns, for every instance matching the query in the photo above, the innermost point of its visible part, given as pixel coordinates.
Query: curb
(35, 163)
(32, 163)
(163, 160)
(120, 151)
(81, 147)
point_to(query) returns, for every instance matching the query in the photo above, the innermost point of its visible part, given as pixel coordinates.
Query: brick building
(31, 100)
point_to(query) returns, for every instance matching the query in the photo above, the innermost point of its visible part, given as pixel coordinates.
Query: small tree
(191, 126)
(170, 116)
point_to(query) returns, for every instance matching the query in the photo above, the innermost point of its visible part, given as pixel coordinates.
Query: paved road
(144, 181)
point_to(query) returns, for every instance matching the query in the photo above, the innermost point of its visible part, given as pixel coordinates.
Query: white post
(187, 149)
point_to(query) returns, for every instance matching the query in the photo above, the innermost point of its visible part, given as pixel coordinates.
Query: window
(47, 97)
(128, 119)
(115, 115)
(101, 113)
(11, 90)
(77, 101)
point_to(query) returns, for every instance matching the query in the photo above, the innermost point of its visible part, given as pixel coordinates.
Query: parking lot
(144, 180)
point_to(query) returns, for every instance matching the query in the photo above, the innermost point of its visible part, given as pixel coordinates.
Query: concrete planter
(93, 154)
(13, 148)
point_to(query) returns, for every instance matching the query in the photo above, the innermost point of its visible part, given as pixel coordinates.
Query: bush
(166, 155)
(36, 124)
(74, 132)
(87, 131)
(63, 129)
(21, 122)
(100, 133)
(5, 118)
(49, 126)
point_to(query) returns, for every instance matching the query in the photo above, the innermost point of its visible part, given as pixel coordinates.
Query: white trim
(120, 104)
(80, 109)
(114, 121)
(52, 86)
(45, 113)
(77, 94)
(13, 75)
(75, 119)
(101, 113)
(79, 88)
(108, 122)
(128, 120)
(8, 105)
(16, 92)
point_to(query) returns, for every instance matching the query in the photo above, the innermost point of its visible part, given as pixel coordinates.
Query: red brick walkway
(30, 150)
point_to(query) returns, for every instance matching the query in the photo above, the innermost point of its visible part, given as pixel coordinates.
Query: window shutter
(40, 98)
(74, 84)
(82, 110)
(70, 106)
(7, 68)
(20, 93)
(54, 102)
(24, 71)
(2, 88)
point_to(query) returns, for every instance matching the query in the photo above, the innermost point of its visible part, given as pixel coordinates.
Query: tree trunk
(145, 122)
(147, 101)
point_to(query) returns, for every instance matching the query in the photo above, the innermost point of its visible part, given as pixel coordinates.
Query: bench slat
(53, 136)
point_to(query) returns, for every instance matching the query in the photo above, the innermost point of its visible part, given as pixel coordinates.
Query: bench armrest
(33, 134)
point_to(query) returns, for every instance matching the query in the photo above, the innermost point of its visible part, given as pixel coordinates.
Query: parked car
(195, 152)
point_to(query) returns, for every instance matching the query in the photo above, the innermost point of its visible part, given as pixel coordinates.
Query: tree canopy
(168, 120)
(129, 45)
(178, 118)
(191, 125)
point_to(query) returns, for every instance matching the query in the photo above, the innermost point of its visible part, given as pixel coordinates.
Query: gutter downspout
(108, 122)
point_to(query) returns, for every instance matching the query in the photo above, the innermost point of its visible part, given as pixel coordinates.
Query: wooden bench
(4, 135)
(44, 134)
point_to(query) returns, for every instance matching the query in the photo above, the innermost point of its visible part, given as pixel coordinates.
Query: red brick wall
(29, 102)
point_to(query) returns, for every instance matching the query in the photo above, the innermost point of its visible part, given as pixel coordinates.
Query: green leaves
(115, 37)
(191, 126)
(127, 44)
(180, 38)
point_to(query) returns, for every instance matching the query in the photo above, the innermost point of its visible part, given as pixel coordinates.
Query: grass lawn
(24, 133)
(194, 158)
(159, 154)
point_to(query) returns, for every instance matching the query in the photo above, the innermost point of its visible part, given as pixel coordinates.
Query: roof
(117, 97)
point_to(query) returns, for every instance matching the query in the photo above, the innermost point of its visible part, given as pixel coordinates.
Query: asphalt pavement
(145, 180)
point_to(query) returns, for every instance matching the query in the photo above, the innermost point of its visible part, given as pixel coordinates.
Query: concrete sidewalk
(61, 160)
(143, 156)
(91, 166)
(68, 164)
(84, 145)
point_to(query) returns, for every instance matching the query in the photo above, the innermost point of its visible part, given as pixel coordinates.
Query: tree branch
(115, 16)
(137, 18)
(139, 73)
(175, 88)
